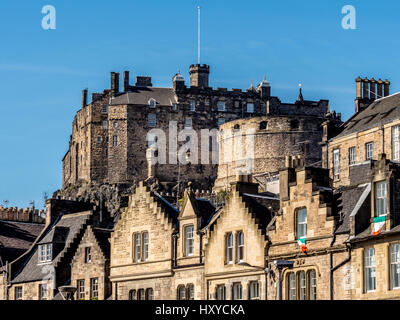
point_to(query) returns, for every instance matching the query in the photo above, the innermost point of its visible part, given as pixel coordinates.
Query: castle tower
(199, 75)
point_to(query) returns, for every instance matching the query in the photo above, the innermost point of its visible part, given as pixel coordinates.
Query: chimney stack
(126, 81)
(372, 89)
(358, 88)
(365, 88)
(114, 82)
(386, 85)
(84, 97)
(380, 88)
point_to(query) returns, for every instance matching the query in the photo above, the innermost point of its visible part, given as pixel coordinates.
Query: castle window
(263, 125)
(221, 121)
(189, 240)
(132, 295)
(291, 286)
(301, 223)
(380, 199)
(312, 285)
(394, 266)
(149, 294)
(88, 255)
(250, 108)
(105, 124)
(369, 148)
(352, 155)
(190, 291)
(188, 123)
(369, 270)
(302, 285)
(152, 120)
(145, 240)
(80, 284)
(192, 105)
(240, 246)
(220, 292)
(181, 292)
(104, 108)
(152, 103)
(137, 247)
(395, 143)
(336, 164)
(43, 291)
(221, 106)
(45, 252)
(99, 139)
(254, 290)
(141, 294)
(18, 293)
(94, 288)
(237, 291)
(229, 248)
(115, 141)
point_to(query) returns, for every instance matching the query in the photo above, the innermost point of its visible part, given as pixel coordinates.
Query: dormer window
(380, 199)
(45, 253)
(189, 240)
(152, 103)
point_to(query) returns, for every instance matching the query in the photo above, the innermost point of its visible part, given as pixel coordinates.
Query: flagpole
(198, 36)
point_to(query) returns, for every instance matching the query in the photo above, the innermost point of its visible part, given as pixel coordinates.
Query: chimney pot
(114, 82)
(84, 97)
(386, 86)
(126, 81)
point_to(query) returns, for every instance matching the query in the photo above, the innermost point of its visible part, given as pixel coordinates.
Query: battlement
(31, 215)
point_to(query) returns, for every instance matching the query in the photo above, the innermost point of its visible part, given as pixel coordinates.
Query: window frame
(229, 248)
(381, 199)
(152, 120)
(133, 294)
(181, 292)
(137, 247)
(18, 293)
(192, 106)
(88, 254)
(149, 296)
(249, 110)
(303, 223)
(220, 289)
(369, 268)
(302, 283)
(251, 290)
(187, 243)
(240, 246)
(188, 123)
(394, 265)
(152, 103)
(237, 285)
(395, 143)
(45, 252)
(221, 106)
(352, 156)
(336, 164)
(80, 285)
(312, 285)
(94, 288)
(43, 291)
(190, 292)
(115, 141)
(291, 286)
(145, 246)
(369, 151)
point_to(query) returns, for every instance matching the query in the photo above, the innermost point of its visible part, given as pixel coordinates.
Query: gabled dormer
(51, 245)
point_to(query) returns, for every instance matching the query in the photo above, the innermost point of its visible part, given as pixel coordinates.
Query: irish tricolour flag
(379, 223)
(302, 244)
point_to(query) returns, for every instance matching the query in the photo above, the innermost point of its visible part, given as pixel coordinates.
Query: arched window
(220, 292)
(302, 285)
(254, 291)
(136, 247)
(181, 292)
(132, 295)
(312, 285)
(229, 248)
(149, 294)
(141, 295)
(145, 240)
(263, 125)
(240, 246)
(190, 291)
(237, 293)
(291, 285)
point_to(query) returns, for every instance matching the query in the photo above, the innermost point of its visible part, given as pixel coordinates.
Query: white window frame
(229, 248)
(45, 252)
(145, 241)
(220, 292)
(221, 105)
(137, 247)
(291, 286)
(369, 150)
(302, 285)
(254, 290)
(381, 198)
(394, 251)
(94, 288)
(336, 163)
(240, 246)
(43, 291)
(369, 270)
(395, 143)
(115, 141)
(80, 284)
(105, 124)
(312, 284)
(88, 254)
(189, 240)
(18, 293)
(352, 156)
(301, 223)
(237, 291)
(250, 107)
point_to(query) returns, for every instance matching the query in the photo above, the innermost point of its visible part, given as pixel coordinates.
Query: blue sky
(43, 72)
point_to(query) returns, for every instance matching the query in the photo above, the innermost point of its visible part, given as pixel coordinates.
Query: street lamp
(280, 265)
(266, 271)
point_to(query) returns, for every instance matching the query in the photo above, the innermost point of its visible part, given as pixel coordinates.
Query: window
(145, 239)
(80, 289)
(302, 285)
(239, 246)
(237, 291)
(395, 143)
(221, 121)
(88, 255)
(395, 266)
(294, 124)
(229, 248)
(174, 107)
(141, 294)
(190, 291)
(263, 125)
(301, 223)
(18, 293)
(43, 291)
(152, 103)
(312, 285)
(105, 124)
(369, 270)
(137, 246)
(250, 107)
(291, 286)
(104, 108)
(369, 148)
(352, 155)
(115, 141)
(152, 120)
(115, 124)
(94, 288)
(380, 199)
(149, 294)
(181, 292)
(221, 292)
(336, 164)
(189, 240)
(221, 105)
(254, 290)
(99, 139)
(192, 105)
(188, 123)
(132, 295)
(45, 252)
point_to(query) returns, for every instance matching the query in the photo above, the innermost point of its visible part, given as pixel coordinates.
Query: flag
(379, 223)
(302, 244)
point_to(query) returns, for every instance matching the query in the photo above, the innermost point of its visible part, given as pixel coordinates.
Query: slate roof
(171, 212)
(102, 237)
(16, 238)
(380, 112)
(74, 224)
(204, 209)
(142, 95)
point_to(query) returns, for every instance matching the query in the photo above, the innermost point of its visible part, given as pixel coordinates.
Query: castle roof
(378, 113)
(142, 95)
